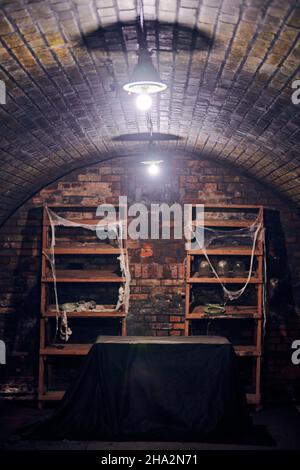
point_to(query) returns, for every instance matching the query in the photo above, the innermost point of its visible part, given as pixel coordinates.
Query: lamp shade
(145, 77)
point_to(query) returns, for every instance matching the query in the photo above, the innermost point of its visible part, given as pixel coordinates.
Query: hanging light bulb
(153, 169)
(143, 102)
(152, 162)
(153, 166)
(145, 79)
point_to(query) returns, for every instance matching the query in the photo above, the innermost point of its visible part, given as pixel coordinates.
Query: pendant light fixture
(152, 162)
(145, 79)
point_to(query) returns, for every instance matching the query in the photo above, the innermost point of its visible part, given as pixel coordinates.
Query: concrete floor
(282, 423)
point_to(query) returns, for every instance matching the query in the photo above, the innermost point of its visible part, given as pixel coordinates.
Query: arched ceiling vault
(229, 66)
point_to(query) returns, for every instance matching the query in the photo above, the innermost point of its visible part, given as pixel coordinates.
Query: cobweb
(117, 227)
(249, 237)
(203, 237)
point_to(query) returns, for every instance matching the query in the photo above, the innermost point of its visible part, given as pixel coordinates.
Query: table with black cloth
(144, 388)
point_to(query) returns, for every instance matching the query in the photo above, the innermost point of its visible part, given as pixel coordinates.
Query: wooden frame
(84, 276)
(232, 312)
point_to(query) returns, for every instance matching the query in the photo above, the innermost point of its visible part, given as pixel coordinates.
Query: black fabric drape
(143, 389)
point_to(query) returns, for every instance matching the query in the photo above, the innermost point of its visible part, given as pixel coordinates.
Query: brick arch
(229, 67)
(166, 154)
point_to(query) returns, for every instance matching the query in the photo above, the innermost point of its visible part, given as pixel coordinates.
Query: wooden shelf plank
(84, 250)
(52, 395)
(81, 222)
(253, 399)
(226, 251)
(84, 275)
(229, 308)
(223, 223)
(245, 351)
(108, 279)
(231, 312)
(85, 206)
(206, 316)
(225, 280)
(88, 314)
(66, 350)
(221, 207)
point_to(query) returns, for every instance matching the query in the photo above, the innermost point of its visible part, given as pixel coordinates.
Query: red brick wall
(157, 281)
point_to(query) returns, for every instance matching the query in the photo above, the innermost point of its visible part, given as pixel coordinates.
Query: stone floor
(282, 423)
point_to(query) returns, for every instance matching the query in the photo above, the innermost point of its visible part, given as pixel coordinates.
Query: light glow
(153, 166)
(153, 169)
(143, 102)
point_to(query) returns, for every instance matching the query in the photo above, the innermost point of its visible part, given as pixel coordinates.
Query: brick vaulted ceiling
(229, 66)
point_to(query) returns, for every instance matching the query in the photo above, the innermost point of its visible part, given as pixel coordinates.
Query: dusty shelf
(231, 312)
(225, 251)
(84, 250)
(224, 280)
(73, 275)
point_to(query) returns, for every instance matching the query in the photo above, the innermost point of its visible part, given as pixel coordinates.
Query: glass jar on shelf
(223, 268)
(204, 269)
(239, 268)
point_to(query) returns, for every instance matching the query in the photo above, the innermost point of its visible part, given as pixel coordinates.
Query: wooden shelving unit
(230, 218)
(72, 249)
